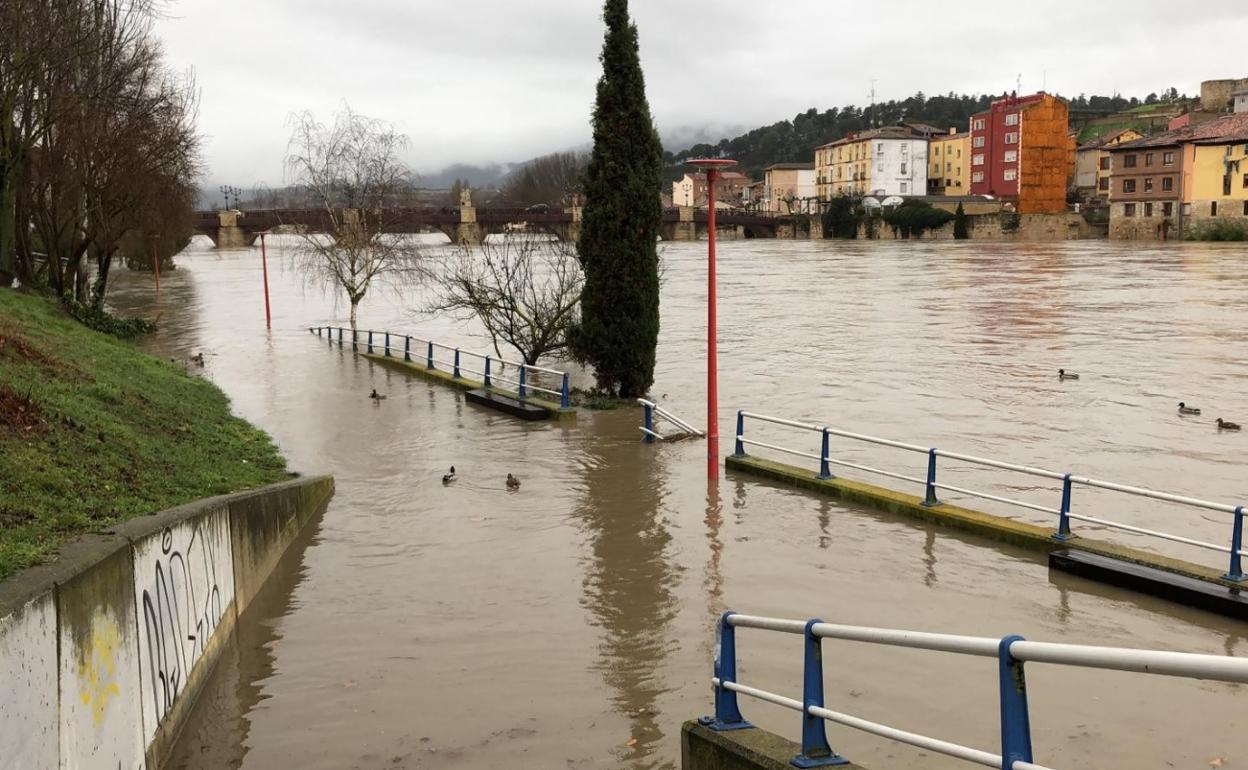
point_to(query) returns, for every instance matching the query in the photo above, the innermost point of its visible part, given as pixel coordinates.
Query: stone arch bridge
(470, 225)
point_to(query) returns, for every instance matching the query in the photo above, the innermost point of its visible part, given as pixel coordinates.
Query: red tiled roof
(1230, 128)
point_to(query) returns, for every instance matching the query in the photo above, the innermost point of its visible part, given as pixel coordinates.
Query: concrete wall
(104, 651)
(999, 227)
(702, 748)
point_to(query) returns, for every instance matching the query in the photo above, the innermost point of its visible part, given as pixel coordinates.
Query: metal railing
(1011, 653)
(653, 411)
(1235, 550)
(489, 372)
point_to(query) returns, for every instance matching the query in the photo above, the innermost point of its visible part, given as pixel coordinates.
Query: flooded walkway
(570, 623)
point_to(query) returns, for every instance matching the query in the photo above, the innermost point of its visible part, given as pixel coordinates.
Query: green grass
(94, 431)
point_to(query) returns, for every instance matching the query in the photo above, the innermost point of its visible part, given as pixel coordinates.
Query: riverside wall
(103, 652)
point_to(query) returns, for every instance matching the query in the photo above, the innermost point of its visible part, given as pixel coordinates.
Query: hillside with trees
(793, 141)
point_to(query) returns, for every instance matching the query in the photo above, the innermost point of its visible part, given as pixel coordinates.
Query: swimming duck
(1222, 425)
(512, 482)
(1062, 374)
(447, 478)
(376, 396)
(198, 359)
(1185, 409)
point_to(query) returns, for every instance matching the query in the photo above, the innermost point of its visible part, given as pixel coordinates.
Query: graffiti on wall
(97, 678)
(100, 723)
(183, 585)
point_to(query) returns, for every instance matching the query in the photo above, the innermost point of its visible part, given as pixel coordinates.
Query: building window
(979, 124)
(1128, 209)
(903, 167)
(1245, 180)
(1167, 209)
(1246, 208)
(1010, 174)
(1213, 209)
(1167, 183)
(1103, 183)
(1148, 209)
(1011, 137)
(1187, 209)
(1011, 156)
(1128, 185)
(977, 142)
(1148, 184)
(977, 177)
(903, 188)
(879, 148)
(1128, 161)
(1226, 184)
(977, 160)
(1011, 119)
(1105, 163)
(1148, 159)
(1167, 159)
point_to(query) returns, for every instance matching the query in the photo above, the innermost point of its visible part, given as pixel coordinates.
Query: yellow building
(1215, 172)
(1092, 162)
(948, 161)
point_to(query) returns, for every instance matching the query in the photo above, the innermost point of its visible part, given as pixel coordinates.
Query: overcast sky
(478, 81)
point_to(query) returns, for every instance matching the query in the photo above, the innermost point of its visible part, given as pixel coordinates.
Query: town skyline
(443, 85)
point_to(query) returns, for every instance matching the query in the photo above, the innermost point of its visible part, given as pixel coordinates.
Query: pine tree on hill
(619, 328)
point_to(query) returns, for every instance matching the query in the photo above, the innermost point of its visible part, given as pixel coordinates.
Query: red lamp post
(712, 167)
(264, 264)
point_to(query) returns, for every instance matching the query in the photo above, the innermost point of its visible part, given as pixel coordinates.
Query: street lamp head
(712, 164)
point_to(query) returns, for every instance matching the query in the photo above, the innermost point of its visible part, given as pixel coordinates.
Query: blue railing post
(1236, 571)
(339, 336)
(522, 380)
(1015, 723)
(930, 498)
(565, 394)
(727, 713)
(739, 450)
(355, 339)
(407, 348)
(370, 340)
(649, 422)
(815, 749)
(825, 472)
(487, 371)
(387, 344)
(455, 374)
(1063, 521)
(429, 356)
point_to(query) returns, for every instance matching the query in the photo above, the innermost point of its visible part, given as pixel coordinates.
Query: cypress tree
(619, 328)
(959, 223)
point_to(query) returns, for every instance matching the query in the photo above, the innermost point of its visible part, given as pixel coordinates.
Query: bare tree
(525, 291)
(551, 179)
(353, 173)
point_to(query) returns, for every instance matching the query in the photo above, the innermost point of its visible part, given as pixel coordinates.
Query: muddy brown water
(571, 623)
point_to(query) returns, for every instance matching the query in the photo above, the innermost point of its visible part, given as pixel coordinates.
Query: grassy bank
(93, 431)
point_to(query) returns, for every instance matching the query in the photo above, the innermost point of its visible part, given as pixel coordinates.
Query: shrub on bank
(911, 218)
(1219, 230)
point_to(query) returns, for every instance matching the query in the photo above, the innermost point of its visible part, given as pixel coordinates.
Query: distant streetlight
(264, 264)
(712, 167)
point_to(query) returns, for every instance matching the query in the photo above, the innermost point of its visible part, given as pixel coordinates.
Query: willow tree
(353, 174)
(619, 328)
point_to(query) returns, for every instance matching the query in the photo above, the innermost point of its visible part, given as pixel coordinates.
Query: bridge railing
(1011, 653)
(653, 413)
(451, 359)
(1234, 549)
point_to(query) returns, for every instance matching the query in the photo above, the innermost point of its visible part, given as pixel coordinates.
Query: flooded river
(570, 623)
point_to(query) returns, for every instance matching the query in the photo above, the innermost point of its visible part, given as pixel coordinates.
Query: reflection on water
(571, 623)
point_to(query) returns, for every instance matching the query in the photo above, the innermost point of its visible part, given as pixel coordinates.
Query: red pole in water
(712, 167)
(264, 264)
(156, 264)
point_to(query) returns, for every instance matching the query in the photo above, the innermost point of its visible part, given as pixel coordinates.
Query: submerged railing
(428, 352)
(653, 413)
(931, 485)
(1011, 653)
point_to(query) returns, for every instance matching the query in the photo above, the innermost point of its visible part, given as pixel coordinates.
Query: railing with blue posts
(931, 486)
(1012, 653)
(490, 369)
(653, 413)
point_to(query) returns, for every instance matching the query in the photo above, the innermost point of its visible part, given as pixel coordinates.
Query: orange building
(1020, 150)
